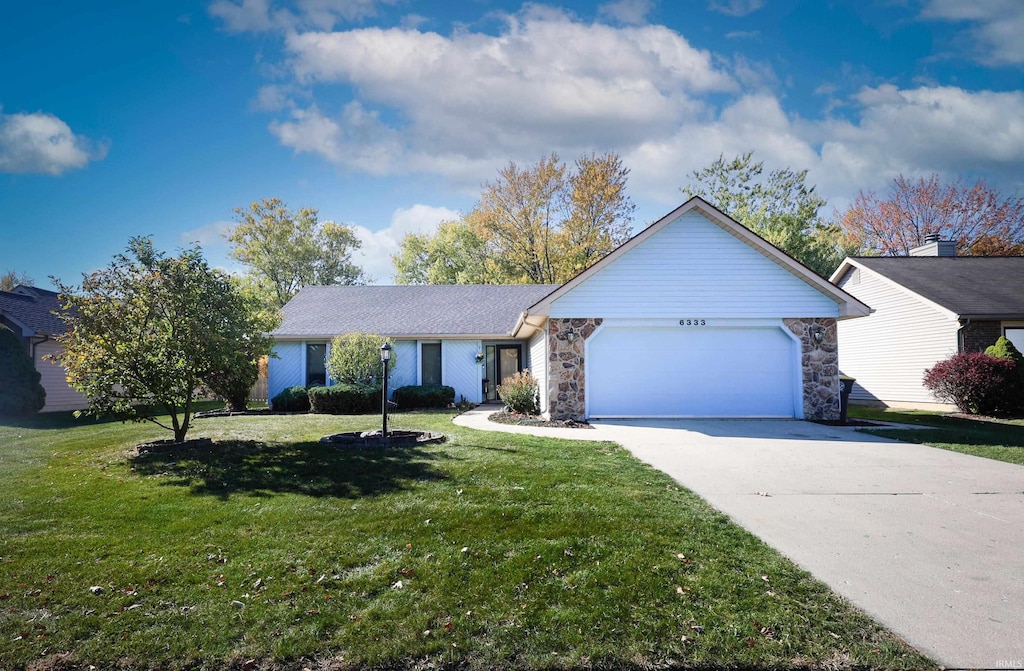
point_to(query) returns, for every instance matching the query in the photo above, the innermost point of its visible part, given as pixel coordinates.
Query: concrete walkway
(929, 542)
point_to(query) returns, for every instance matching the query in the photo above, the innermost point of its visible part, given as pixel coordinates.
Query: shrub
(292, 399)
(1004, 349)
(20, 390)
(975, 383)
(519, 393)
(345, 399)
(424, 396)
(355, 358)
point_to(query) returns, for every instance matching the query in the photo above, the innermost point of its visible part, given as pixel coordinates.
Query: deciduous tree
(978, 218)
(148, 330)
(287, 250)
(779, 206)
(355, 358)
(542, 223)
(10, 279)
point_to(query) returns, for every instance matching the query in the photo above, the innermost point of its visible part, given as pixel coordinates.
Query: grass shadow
(309, 468)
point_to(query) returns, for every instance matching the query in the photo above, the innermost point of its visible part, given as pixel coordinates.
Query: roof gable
(419, 310)
(34, 309)
(700, 269)
(976, 287)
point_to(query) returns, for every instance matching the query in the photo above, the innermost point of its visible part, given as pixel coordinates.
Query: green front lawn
(489, 551)
(993, 439)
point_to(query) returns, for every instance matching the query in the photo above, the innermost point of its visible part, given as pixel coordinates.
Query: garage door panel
(710, 372)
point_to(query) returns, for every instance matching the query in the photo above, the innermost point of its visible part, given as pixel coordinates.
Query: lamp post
(385, 356)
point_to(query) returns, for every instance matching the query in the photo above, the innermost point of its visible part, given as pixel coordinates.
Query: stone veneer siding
(566, 370)
(979, 335)
(820, 365)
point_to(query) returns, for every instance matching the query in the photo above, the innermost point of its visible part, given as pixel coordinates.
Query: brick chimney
(933, 246)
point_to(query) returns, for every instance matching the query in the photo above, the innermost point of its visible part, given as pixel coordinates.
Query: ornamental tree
(146, 332)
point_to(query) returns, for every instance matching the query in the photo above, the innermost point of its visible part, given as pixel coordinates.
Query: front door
(503, 361)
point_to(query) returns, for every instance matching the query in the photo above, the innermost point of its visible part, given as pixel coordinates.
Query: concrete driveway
(929, 542)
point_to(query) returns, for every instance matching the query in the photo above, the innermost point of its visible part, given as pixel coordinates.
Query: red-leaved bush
(975, 383)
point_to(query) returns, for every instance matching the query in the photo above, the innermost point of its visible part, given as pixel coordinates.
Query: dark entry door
(503, 361)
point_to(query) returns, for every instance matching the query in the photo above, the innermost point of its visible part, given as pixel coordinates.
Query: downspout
(960, 343)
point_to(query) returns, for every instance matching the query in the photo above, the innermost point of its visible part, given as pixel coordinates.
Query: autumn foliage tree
(148, 331)
(536, 224)
(978, 218)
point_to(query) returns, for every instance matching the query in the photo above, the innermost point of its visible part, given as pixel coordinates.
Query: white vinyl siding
(59, 396)
(538, 364)
(888, 351)
(403, 373)
(287, 369)
(693, 268)
(460, 369)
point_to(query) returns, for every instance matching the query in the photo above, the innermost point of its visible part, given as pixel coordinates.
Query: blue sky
(121, 119)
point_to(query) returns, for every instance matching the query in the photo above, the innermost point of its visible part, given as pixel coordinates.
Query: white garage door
(691, 372)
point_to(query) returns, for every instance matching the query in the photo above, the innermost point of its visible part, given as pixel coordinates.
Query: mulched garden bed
(534, 420)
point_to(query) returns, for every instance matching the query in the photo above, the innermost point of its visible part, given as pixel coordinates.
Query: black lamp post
(385, 357)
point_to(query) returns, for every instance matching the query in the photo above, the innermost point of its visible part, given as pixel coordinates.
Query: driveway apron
(929, 542)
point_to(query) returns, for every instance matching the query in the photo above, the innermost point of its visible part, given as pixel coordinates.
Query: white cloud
(40, 143)
(629, 12)
(995, 35)
(463, 105)
(357, 139)
(910, 131)
(274, 98)
(262, 15)
(928, 129)
(735, 7)
(481, 98)
(743, 35)
(207, 236)
(379, 246)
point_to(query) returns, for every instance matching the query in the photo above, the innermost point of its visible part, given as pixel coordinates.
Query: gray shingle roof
(971, 286)
(35, 311)
(461, 309)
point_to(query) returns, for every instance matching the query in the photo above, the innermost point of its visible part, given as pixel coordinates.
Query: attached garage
(692, 371)
(695, 316)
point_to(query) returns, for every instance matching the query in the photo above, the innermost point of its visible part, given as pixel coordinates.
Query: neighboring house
(927, 307)
(695, 316)
(32, 314)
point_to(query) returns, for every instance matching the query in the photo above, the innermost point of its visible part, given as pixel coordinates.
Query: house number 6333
(693, 322)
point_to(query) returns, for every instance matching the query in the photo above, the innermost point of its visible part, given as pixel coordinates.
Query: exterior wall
(287, 369)
(460, 370)
(888, 351)
(59, 396)
(406, 369)
(538, 364)
(693, 268)
(820, 366)
(978, 335)
(566, 369)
